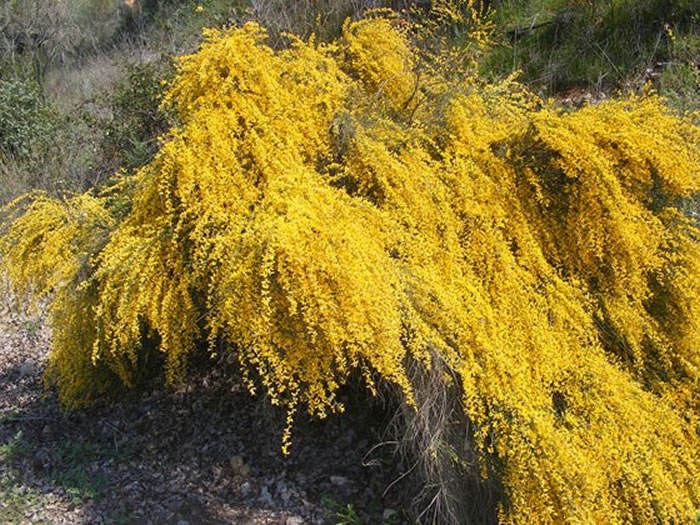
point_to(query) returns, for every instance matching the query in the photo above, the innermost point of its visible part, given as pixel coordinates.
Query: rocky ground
(208, 453)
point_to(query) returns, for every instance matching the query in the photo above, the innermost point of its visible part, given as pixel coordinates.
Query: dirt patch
(208, 453)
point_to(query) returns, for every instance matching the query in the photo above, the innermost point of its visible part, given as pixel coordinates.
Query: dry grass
(321, 17)
(36, 35)
(434, 441)
(71, 86)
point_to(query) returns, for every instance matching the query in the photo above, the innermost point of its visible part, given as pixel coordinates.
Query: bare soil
(208, 453)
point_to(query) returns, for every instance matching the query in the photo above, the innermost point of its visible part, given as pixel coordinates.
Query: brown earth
(208, 453)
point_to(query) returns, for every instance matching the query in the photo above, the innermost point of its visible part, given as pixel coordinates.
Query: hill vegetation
(601, 45)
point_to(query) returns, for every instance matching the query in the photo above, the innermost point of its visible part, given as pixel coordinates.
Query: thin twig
(383, 443)
(388, 488)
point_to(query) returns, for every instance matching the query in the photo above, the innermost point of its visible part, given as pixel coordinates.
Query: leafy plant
(341, 514)
(26, 120)
(562, 44)
(15, 501)
(130, 135)
(36, 35)
(679, 79)
(14, 448)
(71, 471)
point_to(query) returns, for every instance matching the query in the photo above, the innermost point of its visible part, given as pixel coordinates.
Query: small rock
(239, 466)
(339, 481)
(265, 495)
(236, 462)
(246, 489)
(294, 520)
(388, 514)
(27, 369)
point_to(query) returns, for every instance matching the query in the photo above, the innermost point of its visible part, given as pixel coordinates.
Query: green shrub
(26, 120)
(83, 144)
(679, 80)
(560, 44)
(323, 18)
(130, 136)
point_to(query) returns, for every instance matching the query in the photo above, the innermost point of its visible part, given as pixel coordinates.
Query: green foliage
(176, 26)
(130, 135)
(71, 470)
(26, 119)
(679, 80)
(339, 513)
(570, 43)
(324, 18)
(16, 501)
(11, 450)
(61, 155)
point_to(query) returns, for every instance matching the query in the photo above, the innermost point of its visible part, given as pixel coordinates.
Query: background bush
(136, 120)
(323, 18)
(36, 35)
(602, 44)
(26, 119)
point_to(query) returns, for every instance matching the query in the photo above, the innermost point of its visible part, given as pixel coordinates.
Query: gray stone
(236, 462)
(265, 495)
(388, 514)
(239, 466)
(27, 369)
(246, 489)
(339, 481)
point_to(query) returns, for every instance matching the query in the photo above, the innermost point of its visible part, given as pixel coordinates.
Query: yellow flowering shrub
(319, 219)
